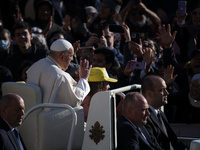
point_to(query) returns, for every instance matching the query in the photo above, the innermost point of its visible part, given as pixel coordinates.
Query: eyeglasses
(195, 13)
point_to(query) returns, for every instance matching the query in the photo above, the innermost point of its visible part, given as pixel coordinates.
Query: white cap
(60, 45)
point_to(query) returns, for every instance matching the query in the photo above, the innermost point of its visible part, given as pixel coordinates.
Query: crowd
(61, 45)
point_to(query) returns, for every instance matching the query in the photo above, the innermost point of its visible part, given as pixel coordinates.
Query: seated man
(154, 89)
(58, 86)
(131, 133)
(11, 116)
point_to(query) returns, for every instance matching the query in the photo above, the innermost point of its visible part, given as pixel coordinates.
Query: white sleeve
(84, 86)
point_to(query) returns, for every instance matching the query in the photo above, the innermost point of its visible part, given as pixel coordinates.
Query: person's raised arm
(165, 37)
(124, 12)
(150, 14)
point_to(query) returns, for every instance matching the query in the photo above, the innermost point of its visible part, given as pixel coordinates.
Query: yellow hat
(98, 74)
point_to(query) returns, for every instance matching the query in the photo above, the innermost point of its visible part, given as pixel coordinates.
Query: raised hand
(84, 70)
(102, 42)
(128, 70)
(165, 37)
(169, 76)
(18, 17)
(126, 33)
(136, 48)
(76, 46)
(93, 39)
(67, 23)
(148, 59)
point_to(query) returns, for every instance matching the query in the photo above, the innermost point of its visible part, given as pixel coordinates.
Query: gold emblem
(97, 132)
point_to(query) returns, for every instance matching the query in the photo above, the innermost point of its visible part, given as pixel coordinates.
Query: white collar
(52, 60)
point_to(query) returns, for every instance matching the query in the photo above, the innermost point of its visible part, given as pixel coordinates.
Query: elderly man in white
(56, 85)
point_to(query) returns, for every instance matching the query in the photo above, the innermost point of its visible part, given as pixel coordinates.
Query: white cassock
(57, 86)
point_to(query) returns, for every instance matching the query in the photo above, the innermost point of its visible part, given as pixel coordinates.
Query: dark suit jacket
(154, 127)
(7, 139)
(128, 138)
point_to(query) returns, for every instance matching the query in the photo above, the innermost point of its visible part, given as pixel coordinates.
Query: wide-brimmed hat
(98, 74)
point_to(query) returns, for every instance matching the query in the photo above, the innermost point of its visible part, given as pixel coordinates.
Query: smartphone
(116, 28)
(138, 65)
(135, 37)
(98, 29)
(182, 7)
(85, 51)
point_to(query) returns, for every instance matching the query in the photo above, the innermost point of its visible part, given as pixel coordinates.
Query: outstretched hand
(168, 75)
(84, 70)
(165, 37)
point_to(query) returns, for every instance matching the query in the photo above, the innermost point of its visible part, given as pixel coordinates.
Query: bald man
(11, 116)
(155, 91)
(58, 86)
(131, 133)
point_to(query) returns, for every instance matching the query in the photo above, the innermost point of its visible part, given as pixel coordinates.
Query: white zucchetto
(60, 45)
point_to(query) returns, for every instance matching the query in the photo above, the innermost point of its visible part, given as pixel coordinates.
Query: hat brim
(107, 79)
(111, 80)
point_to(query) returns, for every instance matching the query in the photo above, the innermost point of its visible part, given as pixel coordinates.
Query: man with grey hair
(131, 133)
(58, 86)
(11, 116)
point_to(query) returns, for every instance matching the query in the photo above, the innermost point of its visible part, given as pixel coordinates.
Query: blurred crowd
(155, 38)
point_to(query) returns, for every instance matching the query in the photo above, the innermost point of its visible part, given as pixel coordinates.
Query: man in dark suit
(131, 133)
(155, 91)
(11, 116)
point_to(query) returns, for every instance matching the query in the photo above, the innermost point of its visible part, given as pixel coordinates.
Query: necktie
(16, 133)
(163, 126)
(140, 131)
(161, 122)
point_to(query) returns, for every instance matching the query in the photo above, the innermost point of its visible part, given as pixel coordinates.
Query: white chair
(195, 145)
(44, 130)
(101, 132)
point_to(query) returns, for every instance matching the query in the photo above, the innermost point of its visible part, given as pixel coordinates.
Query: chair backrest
(30, 93)
(32, 96)
(195, 145)
(101, 129)
(101, 123)
(45, 130)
